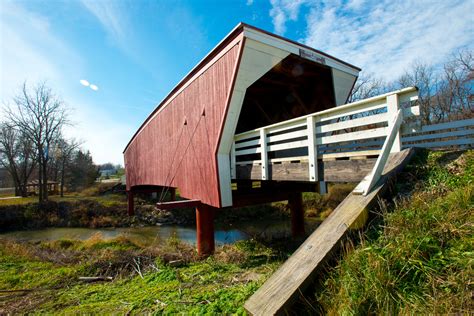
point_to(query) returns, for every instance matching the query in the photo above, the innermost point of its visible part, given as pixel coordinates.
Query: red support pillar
(205, 229)
(131, 209)
(295, 201)
(172, 194)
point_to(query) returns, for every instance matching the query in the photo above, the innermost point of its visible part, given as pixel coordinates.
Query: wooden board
(330, 171)
(284, 286)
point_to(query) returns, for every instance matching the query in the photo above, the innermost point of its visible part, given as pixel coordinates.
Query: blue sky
(136, 51)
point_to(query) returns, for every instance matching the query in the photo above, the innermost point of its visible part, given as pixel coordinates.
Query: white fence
(356, 129)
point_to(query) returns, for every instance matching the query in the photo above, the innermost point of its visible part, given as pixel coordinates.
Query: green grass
(415, 258)
(420, 260)
(218, 284)
(106, 200)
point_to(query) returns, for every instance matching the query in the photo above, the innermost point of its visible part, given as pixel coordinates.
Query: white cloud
(385, 37)
(282, 11)
(109, 15)
(94, 87)
(355, 4)
(85, 83)
(249, 2)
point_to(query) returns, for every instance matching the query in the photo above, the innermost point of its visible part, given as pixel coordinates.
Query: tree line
(445, 93)
(33, 145)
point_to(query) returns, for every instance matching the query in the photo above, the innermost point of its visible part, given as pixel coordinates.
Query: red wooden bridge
(262, 108)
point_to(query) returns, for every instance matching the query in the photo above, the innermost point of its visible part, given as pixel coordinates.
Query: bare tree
(17, 155)
(445, 94)
(40, 115)
(64, 152)
(454, 95)
(367, 86)
(423, 76)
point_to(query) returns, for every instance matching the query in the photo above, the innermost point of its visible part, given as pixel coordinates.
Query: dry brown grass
(230, 254)
(320, 206)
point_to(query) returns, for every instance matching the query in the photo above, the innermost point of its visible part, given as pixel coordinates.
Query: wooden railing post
(392, 109)
(233, 170)
(313, 153)
(312, 149)
(263, 154)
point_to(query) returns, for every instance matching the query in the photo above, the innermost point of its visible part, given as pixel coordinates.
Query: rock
(176, 263)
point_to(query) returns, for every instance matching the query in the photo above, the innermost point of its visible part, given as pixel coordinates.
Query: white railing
(458, 133)
(355, 129)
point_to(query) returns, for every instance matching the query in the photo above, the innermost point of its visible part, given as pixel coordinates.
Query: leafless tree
(63, 154)
(423, 76)
(454, 95)
(41, 116)
(445, 94)
(367, 86)
(18, 156)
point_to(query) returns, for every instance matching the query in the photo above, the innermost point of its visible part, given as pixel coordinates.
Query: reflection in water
(157, 234)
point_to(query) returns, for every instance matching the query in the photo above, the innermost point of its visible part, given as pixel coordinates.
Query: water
(157, 234)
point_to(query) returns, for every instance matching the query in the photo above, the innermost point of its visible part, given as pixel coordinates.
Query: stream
(157, 234)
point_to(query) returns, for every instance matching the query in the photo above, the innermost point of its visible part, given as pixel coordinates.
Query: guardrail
(443, 135)
(355, 129)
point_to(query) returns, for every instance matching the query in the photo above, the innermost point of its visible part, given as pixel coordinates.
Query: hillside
(417, 254)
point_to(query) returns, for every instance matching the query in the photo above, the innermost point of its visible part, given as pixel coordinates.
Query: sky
(113, 61)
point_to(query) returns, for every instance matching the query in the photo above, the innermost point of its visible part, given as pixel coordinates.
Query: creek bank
(94, 213)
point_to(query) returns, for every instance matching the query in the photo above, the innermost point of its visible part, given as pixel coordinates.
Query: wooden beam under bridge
(177, 204)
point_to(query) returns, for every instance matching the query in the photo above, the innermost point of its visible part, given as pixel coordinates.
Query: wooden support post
(323, 187)
(172, 194)
(263, 154)
(295, 200)
(205, 229)
(130, 206)
(392, 109)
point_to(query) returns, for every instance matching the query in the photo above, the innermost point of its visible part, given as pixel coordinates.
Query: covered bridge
(249, 80)
(263, 108)
(262, 118)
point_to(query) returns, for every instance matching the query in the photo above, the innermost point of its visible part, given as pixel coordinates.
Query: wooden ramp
(284, 286)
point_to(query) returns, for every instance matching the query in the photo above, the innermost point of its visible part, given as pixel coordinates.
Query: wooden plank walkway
(284, 286)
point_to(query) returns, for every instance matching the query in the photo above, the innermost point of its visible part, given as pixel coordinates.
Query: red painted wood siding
(168, 153)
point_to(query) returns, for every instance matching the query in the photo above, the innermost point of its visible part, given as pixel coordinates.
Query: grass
(106, 200)
(44, 277)
(419, 257)
(415, 257)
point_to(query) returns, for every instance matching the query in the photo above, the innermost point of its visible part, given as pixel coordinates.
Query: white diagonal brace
(371, 179)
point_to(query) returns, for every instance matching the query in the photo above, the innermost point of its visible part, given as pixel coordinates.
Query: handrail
(323, 132)
(334, 110)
